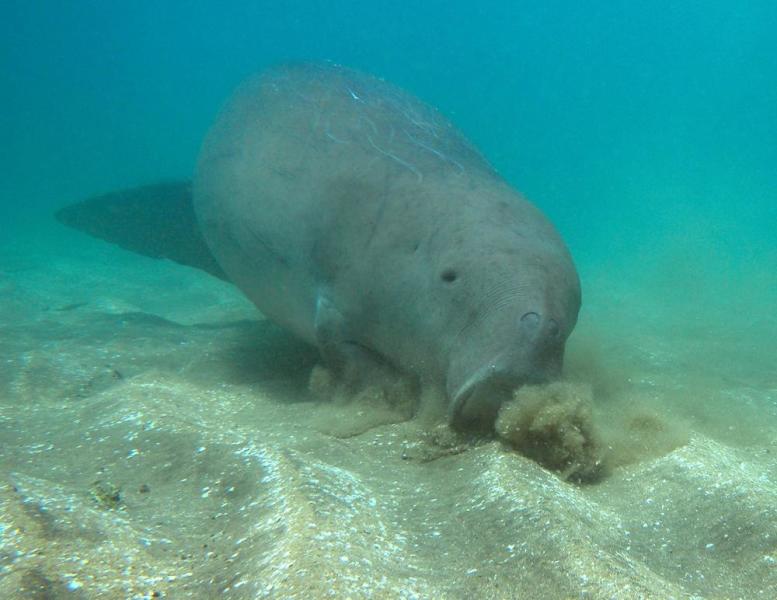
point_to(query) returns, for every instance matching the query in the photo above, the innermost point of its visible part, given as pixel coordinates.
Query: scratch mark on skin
(335, 139)
(437, 153)
(332, 136)
(419, 122)
(394, 157)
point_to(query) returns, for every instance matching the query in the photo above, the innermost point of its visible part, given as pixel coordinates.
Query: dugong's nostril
(530, 321)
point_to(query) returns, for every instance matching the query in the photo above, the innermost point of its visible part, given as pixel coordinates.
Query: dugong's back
(302, 152)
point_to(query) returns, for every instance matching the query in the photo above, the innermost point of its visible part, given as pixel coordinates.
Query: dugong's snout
(533, 355)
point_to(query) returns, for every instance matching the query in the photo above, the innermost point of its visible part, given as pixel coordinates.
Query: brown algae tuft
(553, 425)
(106, 494)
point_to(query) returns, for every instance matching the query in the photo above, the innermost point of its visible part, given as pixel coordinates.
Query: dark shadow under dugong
(359, 218)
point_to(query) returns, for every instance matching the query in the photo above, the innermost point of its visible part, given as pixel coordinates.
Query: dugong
(358, 218)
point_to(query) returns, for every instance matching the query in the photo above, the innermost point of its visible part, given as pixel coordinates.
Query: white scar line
(437, 153)
(405, 164)
(332, 136)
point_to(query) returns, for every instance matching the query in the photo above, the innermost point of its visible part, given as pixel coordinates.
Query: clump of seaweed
(553, 425)
(106, 494)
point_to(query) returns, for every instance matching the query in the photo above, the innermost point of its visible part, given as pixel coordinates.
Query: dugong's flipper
(153, 220)
(355, 366)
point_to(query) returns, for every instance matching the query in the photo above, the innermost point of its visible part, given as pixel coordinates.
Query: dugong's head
(512, 295)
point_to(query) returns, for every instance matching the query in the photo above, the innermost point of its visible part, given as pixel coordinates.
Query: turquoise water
(605, 114)
(647, 132)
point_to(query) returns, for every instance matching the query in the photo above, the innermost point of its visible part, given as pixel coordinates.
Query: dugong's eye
(448, 276)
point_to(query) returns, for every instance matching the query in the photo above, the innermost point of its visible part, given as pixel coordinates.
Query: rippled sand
(157, 439)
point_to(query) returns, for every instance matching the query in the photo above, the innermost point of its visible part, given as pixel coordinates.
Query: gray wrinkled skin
(357, 217)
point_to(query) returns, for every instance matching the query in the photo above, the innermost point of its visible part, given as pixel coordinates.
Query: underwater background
(647, 132)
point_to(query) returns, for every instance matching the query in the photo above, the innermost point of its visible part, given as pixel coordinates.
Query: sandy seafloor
(157, 441)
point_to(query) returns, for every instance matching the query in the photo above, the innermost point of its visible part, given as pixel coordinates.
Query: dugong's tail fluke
(153, 220)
